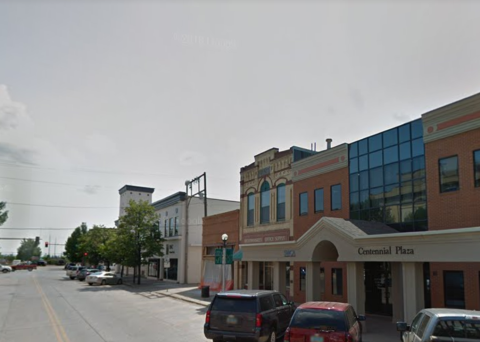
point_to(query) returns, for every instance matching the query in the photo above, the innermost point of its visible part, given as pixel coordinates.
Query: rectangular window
(165, 229)
(476, 165)
(304, 203)
(337, 281)
(318, 200)
(448, 170)
(170, 226)
(336, 197)
(303, 272)
(176, 226)
(281, 202)
(454, 289)
(251, 209)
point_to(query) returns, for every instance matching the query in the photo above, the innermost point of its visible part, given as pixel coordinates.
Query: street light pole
(224, 260)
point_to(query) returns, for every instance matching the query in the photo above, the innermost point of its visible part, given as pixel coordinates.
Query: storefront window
(454, 289)
(337, 281)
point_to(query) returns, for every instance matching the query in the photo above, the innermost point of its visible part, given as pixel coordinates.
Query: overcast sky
(98, 94)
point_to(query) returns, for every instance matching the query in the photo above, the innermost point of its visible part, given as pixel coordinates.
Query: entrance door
(266, 276)
(378, 286)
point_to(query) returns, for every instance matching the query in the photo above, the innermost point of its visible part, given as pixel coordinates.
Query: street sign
(218, 256)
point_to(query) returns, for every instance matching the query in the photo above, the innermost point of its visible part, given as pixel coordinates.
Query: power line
(38, 228)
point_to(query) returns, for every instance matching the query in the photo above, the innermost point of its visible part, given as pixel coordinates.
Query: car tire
(104, 282)
(119, 282)
(90, 284)
(30, 269)
(4, 271)
(273, 336)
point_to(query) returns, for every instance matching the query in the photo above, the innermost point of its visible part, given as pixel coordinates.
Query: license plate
(316, 338)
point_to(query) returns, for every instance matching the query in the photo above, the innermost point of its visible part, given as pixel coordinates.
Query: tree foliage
(27, 249)
(95, 243)
(73, 245)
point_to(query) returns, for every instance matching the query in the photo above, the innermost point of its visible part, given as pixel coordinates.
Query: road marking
(57, 326)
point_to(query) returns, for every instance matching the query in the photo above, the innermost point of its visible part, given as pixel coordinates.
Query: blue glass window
(303, 203)
(404, 133)
(418, 167)
(390, 155)
(354, 182)
(265, 203)
(391, 173)
(319, 200)
(363, 180)
(406, 192)
(375, 143)
(417, 129)
(353, 165)
(390, 138)
(392, 214)
(363, 161)
(420, 211)
(364, 200)
(376, 177)
(362, 147)
(376, 197)
(353, 150)
(375, 159)
(406, 170)
(405, 152)
(336, 197)
(281, 202)
(407, 213)
(419, 190)
(418, 148)
(354, 201)
(392, 194)
(476, 167)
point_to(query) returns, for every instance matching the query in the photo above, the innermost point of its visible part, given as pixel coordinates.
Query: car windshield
(232, 304)
(319, 319)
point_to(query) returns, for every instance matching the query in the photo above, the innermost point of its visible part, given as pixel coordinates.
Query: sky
(98, 94)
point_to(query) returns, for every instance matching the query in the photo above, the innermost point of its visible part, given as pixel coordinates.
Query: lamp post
(224, 260)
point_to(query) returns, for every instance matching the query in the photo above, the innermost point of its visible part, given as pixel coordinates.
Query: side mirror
(402, 326)
(361, 318)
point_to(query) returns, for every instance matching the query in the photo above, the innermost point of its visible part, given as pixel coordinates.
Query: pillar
(312, 279)
(279, 277)
(253, 275)
(356, 289)
(413, 300)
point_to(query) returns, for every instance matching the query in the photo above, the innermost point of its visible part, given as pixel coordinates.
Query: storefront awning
(237, 256)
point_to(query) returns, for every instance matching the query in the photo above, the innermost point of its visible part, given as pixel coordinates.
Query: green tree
(72, 246)
(139, 235)
(94, 242)
(27, 249)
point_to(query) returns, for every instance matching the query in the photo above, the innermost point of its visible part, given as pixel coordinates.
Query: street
(46, 306)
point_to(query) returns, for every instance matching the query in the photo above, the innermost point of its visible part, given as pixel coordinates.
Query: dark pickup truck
(24, 266)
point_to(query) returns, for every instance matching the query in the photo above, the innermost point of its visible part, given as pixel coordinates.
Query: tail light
(207, 317)
(286, 337)
(258, 321)
(349, 337)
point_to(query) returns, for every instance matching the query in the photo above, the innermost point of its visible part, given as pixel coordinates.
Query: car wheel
(119, 282)
(30, 269)
(90, 284)
(72, 278)
(273, 336)
(4, 271)
(104, 282)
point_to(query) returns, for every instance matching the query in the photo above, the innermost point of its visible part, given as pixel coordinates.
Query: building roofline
(135, 188)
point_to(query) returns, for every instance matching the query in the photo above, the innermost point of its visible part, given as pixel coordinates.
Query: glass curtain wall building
(387, 178)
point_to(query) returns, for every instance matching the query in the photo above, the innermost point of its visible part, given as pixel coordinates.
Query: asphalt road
(46, 306)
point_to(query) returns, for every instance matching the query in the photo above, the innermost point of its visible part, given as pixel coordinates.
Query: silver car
(103, 278)
(5, 268)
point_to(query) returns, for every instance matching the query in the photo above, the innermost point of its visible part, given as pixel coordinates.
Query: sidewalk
(379, 328)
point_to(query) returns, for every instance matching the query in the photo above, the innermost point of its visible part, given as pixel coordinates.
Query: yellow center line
(57, 326)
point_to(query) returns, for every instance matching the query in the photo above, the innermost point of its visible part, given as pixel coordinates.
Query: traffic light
(85, 253)
(46, 244)
(37, 240)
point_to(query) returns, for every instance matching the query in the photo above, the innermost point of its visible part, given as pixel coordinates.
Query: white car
(103, 278)
(5, 268)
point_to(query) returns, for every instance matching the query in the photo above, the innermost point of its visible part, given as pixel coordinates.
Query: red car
(324, 322)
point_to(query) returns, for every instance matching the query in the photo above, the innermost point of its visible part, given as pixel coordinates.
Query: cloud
(13, 115)
(91, 189)
(16, 154)
(357, 98)
(401, 117)
(190, 158)
(100, 144)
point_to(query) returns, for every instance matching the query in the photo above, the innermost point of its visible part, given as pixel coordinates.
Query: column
(413, 300)
(312, 280)
(253, 273)
(279, 277)
(356, 289)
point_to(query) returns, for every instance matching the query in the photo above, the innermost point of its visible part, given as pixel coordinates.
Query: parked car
(104, 278)
(5, 268)
(82, 274)
(325, 322)
(41, 262)
(442, 325)
(255, 315)
(72, 264)
(24, 266)
(72, 271)
(60, 262)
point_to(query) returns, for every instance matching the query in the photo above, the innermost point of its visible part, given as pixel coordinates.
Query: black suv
(251, 315)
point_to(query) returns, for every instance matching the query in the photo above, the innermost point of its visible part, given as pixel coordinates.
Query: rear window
(234, 304)
(458, 328)
(319, 319)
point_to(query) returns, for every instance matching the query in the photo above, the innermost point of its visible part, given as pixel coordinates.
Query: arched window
(250, 209)
(265, 203)
(281, 202)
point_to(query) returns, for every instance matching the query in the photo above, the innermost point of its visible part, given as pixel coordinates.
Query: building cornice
(323, 162)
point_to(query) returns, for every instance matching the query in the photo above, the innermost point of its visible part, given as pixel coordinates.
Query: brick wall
(216, 225)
